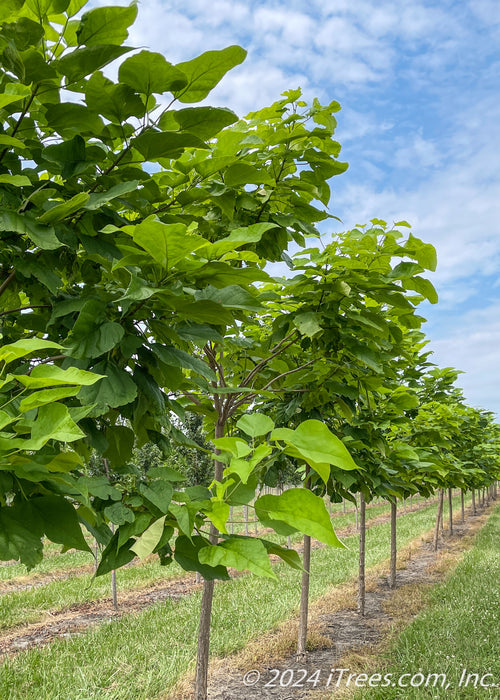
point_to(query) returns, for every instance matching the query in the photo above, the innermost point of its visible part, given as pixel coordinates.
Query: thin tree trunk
(362, 544)
(114, 593)
(438, 518)
(304, 592)
(357, 516)
(245, 517)
(394, 551)
(411, 502)
(462, 503)
(473, 502)
(96, 555)
(343, 505)
(450, 509)
(201, 678)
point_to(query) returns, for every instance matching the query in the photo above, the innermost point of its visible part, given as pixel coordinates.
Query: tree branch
(24, 308)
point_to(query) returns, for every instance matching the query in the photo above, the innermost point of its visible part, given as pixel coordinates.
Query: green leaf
(166, 473)
(218, 514)
(69, 119)
(241, 554)
(231, 297)
(289, 556)
(15, 180)
(249, 234)
(39, 398)
(159, 493)
(308, 323)
(245, 174)
(21, 348)
(113, 557)
(301, 510)
(99, 486)
(155, 145)
(98, 199)
(315, 443)
(149, 73)
(146, 543)
(54, 423)
(84, 61)
(178, 358)
(235, 446)
(255, 424)
(205, 122)
(52, 375)
(116, 389)
(205, 71)
(168, 244)
(106, 25)
(42, 236)
(120, 444)
(60, 521)
(20, 536)
(119, 514)
(186, 555)
(62, 211)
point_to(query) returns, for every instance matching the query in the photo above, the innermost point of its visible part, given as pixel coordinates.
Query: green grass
(27, 606)
(459, 630)
(139, 656)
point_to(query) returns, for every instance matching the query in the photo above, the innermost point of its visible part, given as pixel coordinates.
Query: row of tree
(136, 234)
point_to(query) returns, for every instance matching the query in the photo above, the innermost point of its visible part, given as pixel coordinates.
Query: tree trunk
(450, 509)
(473, 502)
(394, 551)
(362, 544)
(114, 593)
(343, 505)
(201, 678)
(245, 517)
(96, 556)
(304, 592)
(462, 503)
(357, 517)
(438, 518)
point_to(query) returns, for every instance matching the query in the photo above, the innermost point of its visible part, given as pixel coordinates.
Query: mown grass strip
(140, 656)
(32, 605)
(458, 635)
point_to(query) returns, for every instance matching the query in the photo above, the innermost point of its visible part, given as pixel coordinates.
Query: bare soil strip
(77, 618)
(339, 637)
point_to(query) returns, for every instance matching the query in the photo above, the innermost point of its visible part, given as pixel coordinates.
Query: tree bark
(114, 594)
(450, 509)
(473, 502)
(394, 551)
(304, 591)
(362, 545)
(462, 503)
(438, 518)
(201, 677)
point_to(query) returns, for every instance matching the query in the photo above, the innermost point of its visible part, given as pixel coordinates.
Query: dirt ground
(76, 619)
(343, 639)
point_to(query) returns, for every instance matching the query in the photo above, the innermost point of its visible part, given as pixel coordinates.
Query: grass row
(458, 635)
(20, 607)
(140, 656)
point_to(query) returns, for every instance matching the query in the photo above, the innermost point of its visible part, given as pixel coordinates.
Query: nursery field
(56, 619)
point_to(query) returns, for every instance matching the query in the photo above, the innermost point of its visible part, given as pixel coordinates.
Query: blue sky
(420, 127)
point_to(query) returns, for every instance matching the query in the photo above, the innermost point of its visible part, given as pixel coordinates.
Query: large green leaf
(20, 536)
(54, 422)
(146, 543)
(241, 554)
(159, 493)
(245, 174)
(42, 236)
(231, 297)
(106, 25)
(168, 244)
(21, 348)
(60, 521)
(68, 119)
(255, 424)
(39, 398)
(116, 102)
(205, 122)
(116, 389)
(62, 211)
(85, 60)
(205, 71)
(178, 358)
(155, 145)
(113, 557)
(186, 554)
(51, 375)
(315, 443)
(149, 72)
(301, 510)
(120, 444)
